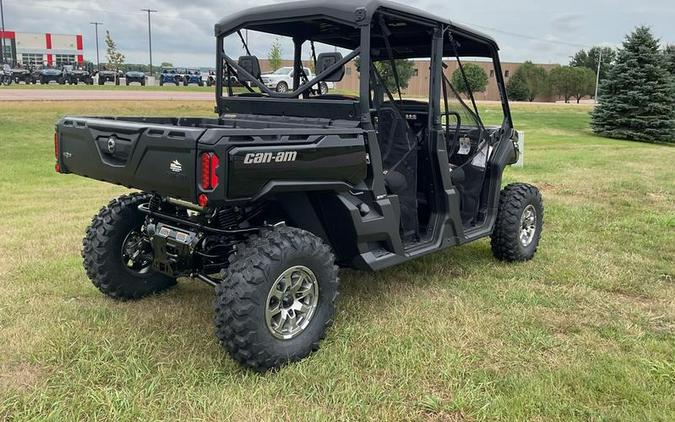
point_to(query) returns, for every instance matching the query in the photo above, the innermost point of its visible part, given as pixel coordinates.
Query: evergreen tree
(517, 88)
(669, 53)
(637, 100)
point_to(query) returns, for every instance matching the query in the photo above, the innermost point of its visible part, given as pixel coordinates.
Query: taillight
(209, 166)
(57, 166)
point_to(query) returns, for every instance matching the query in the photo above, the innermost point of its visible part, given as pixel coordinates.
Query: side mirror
(251, 65)
(325, 61)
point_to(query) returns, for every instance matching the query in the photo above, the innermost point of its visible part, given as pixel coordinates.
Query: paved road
(8, 94)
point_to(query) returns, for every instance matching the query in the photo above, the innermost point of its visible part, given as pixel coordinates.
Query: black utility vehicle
(135, 76)
(46, 74)
(19, 73)
(108, 75)
(267, 199)
(72, 75)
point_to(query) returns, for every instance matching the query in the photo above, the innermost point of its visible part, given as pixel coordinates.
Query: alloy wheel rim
(292, 302)
(528, 225)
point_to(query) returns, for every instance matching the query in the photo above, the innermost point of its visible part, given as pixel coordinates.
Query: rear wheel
(520, 219)
(323, 88)
(277, 298)
(117, 255)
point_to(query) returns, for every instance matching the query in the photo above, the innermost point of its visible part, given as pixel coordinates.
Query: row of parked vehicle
(73, 75)
(280, 80)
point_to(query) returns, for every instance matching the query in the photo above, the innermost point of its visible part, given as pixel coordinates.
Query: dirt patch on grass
(21, 376)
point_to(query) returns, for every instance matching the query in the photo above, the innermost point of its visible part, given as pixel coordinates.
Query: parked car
(45, 75)
(266, 199)
(193, 76)
(282, 79)
(169, 76)
(72, 75)
(135, 76)
(107, 75)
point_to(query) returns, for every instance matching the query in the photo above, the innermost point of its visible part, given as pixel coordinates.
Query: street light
(149, 35)
(2, 37)
(98, 61)
(597, 76)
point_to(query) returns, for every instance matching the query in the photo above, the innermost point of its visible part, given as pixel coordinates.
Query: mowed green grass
(585, 331)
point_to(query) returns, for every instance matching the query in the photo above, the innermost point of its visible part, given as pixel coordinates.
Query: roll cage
(354, 26)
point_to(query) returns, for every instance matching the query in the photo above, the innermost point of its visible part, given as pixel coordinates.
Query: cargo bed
(255, 155)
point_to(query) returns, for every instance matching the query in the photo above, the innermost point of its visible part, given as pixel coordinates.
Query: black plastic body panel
(329, 159)
(161, 154)
(151, 157)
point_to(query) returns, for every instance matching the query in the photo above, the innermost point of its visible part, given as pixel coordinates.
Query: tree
(166, 64)
(536, 79)
(114, 56)
(584, 82)
(637, 100)
(517, 89)
(475, 76)
(669, 53)
(590, 60)
(404, 67)
(564, 82)
(274, 56)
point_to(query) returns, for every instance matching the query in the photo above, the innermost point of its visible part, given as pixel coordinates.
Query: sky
(182, 30)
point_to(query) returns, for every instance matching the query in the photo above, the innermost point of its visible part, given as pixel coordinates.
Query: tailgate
(157, 158)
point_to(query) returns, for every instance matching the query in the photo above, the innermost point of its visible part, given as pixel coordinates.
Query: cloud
(182, 31)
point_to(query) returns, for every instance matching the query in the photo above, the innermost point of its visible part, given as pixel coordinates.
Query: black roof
(343, 11)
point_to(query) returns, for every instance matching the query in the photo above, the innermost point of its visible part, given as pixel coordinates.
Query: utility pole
(2, 37)
(98, 61)
(149, 35)
(597, 76)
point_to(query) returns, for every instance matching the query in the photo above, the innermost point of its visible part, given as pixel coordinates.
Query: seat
(398, 147)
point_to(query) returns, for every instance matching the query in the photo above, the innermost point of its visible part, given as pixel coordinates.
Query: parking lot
(13, 94)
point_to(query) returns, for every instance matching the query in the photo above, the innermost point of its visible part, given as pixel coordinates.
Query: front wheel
(282, 87)
(277, 298)
(117, 254)
(520, 220)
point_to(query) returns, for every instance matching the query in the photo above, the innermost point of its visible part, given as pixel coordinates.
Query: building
(29, 48)
(418, 85)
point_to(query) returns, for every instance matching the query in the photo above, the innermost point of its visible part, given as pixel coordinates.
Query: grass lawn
(585, 331)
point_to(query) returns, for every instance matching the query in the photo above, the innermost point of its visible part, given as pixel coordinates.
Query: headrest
(251, 65)
(326, 60)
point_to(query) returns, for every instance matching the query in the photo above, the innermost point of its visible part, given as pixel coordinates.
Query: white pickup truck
(282, 78)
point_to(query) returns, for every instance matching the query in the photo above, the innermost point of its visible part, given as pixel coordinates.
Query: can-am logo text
(270, 157)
